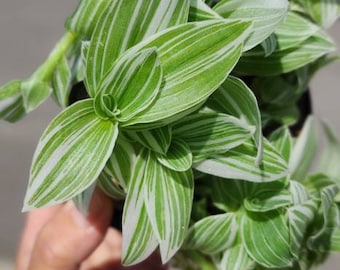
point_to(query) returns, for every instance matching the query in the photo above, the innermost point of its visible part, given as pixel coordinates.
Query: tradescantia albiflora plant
(183, 110)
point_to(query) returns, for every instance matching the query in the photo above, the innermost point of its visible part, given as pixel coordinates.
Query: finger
(35, 220)
(108, 253)
(69, 237)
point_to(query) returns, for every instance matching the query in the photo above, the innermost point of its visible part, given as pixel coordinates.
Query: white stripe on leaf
(236, 98)
(168, 200)
(70, 155)
(212, 234)
(239, 163)
(266, 16)
(259, 230)
(210, 133)
(116, 32)
(139, 240)
(178, 157)
(192, 55)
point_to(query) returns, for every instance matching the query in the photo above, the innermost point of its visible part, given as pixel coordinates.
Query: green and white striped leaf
(134, 82)
(209, 133)
(324, 12)
(111, 186)
(239, 163)
(196, 58)
(236, 258)
(255, 63)
(200, 11)
(34, 92)
(267, 200)
(286, 32)
(139, 240)
(235, 98)
(335, 240)
(304, 151)
(70, 155)
(298, 191)
(178, 158)
(212, 234)
(266, 16)
(300, 216)
(259, 230)
(282, 140)
(11, 103)
(157, 140)
(117, 172)
(331, 220)
(84, 18)
(269, 45)
(116, 32)
(82, 201)
(61, 83)
(168, 200)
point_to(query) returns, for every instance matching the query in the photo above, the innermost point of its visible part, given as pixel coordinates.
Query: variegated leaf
(84, 18)
(209, 133)
(200, 11)
(304, 150)
(269, 45)
(82, 201)
(134, 82)
(300, 216)
(34, 92)
(70, 155)
(335, 240)
(239, 163)
(139, 240)
(266, 15)
(255, 64)
(298, 191)
(331, 219)
(237, 258)
(191, 72)
(212, 234)
(11, 103)
(324, 12)
(235, 97)
(110, 186)
(125, 24)
(117, 172)
(285, 33)
(168, 200)
(61, 83)
(267, 200)
(258, 232)
(120, 164)
(178, 157)
(282, 140)
(157, 140)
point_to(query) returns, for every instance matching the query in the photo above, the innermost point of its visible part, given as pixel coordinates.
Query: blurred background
(28, 31)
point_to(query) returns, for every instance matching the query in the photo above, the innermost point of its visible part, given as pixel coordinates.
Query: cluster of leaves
(176, 97)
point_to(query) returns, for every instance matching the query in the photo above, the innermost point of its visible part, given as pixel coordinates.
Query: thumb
(69, 237)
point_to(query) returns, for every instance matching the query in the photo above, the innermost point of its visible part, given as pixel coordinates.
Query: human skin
(61, 238)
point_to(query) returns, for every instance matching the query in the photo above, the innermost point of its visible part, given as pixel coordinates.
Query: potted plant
(195, 115)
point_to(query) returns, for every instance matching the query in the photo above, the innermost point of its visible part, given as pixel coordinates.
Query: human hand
(60, 237)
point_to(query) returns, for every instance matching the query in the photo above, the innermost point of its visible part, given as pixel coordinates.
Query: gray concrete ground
(28, 30)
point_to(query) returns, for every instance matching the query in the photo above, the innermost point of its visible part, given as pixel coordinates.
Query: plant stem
(46, 70)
